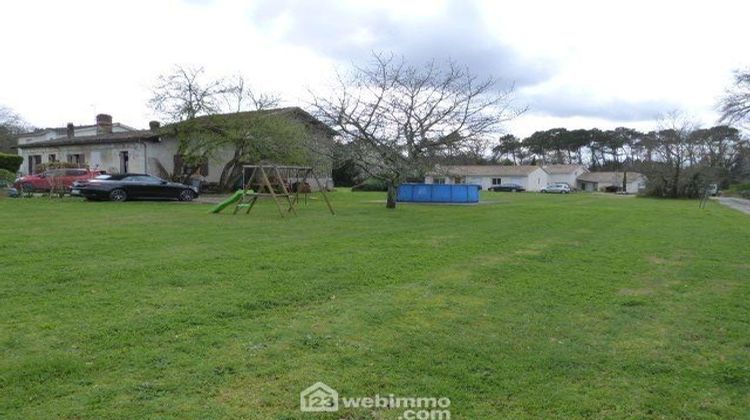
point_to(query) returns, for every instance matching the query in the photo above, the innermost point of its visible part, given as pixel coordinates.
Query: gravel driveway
(736, 203)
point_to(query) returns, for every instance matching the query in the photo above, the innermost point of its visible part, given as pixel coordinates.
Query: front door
(124, 162)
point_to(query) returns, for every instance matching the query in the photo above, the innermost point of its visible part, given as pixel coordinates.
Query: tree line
(678, 157)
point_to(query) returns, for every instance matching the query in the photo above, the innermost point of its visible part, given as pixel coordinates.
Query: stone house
(118, 148)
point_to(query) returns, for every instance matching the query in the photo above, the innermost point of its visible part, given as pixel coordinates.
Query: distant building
(532, 178)
(612, 182)
(567, 174)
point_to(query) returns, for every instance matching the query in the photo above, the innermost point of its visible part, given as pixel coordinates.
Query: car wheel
(186, 195)
(118, 195)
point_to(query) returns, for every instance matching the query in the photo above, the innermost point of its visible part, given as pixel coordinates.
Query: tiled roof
(124, 137)
(562, 169)
(64, 130)
(206, 121)
(485, 170)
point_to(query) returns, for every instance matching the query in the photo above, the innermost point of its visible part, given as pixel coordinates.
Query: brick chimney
(103, 124)
(153, 125)
(71, 130)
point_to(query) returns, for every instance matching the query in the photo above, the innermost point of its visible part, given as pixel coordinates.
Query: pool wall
(438, 193)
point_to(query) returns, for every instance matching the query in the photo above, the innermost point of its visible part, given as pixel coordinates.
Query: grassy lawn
(535, 306)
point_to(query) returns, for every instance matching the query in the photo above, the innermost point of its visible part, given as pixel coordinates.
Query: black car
(121, 187)
(507, 187)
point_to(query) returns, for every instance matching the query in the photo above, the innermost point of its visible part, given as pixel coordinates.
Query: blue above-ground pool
(438, 193)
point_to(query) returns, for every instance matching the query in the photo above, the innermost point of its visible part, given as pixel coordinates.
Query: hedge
(371, 184)
(10, 163)
(6, 177)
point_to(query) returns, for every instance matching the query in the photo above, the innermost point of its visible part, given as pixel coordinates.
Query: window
(143, 178)
(497, 181)
(52, 158)
(75, 172)
(440, 180)
(33, 161)
(458, 180)
(77, 159)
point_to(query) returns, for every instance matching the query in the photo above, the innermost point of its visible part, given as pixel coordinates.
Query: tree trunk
(391, 199)
(676, 182)
(226, 174)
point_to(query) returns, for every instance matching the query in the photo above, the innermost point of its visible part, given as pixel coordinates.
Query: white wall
(104, 156)
(569, 178)
(163, 153)
(535, 181)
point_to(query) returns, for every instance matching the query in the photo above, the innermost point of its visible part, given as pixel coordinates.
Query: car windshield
(103, 177)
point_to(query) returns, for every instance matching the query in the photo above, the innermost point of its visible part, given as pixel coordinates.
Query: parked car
(121, 187)
(556, 188)
(58, 177)
(507, 187)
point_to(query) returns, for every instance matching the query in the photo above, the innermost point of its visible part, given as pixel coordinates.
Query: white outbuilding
(530, 177)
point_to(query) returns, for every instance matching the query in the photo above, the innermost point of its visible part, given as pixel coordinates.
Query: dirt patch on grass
(643, 291)
(678, 258)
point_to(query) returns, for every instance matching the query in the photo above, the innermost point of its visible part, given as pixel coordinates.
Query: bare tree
(186, 93)
(401, 119)
(735, 105)
(11, 124)
(239, 96)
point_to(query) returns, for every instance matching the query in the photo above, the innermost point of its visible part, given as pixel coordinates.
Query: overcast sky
(576, 64)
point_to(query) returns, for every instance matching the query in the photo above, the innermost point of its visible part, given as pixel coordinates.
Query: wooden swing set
(273, 181)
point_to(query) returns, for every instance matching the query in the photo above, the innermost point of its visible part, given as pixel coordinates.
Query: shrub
(740, 187)
(691, 183)
(371, 184)
(10, 162)
(6, 177)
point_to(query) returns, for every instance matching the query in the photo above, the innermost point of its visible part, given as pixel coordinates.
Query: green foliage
(371, 184)
(577, 306)
(741, 190)
(740, 187)
(251, 137)
(10, 162)
(6, 177)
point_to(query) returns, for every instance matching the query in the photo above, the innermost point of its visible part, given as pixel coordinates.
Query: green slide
(229, 201)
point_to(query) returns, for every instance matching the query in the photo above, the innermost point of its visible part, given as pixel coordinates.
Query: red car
(60, 178)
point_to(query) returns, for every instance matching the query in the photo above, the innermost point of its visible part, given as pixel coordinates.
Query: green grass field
(534, 306)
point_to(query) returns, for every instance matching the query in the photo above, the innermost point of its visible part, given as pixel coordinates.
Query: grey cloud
(572, 104)
(348, 33)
